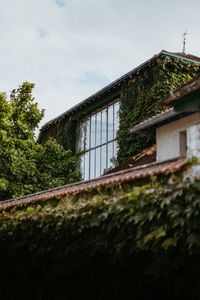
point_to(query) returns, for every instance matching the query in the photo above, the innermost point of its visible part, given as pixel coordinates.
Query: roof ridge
(111, 85)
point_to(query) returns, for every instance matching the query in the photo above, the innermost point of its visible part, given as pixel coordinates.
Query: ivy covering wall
(64, 132)
(133, 243)
(138, 98)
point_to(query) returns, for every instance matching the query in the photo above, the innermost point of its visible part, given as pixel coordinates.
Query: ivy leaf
(169, 243)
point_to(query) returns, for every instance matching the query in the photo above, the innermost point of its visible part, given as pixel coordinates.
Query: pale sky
(72, 48)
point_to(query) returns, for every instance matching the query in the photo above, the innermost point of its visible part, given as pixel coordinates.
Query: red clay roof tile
(118, 177)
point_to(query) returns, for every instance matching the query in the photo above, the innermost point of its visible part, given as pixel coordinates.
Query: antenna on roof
(184, 40)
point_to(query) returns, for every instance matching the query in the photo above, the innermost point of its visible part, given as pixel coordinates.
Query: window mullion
(89, 146)
(107, 138)
(95, 145)
(100, 144)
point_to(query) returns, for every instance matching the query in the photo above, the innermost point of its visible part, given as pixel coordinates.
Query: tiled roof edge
(131, 174)
(163, 116)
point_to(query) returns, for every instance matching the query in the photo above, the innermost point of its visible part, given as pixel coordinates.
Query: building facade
(98, 128)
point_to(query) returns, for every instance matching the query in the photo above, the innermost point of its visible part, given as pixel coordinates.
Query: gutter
(148, 127)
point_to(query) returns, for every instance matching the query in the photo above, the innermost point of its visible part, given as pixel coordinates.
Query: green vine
(139, 98)
(142, 236)
(65, 133)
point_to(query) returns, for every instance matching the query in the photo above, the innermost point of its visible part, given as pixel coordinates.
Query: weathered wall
(168, 137)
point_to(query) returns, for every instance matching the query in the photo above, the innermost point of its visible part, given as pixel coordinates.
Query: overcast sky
(72, 48)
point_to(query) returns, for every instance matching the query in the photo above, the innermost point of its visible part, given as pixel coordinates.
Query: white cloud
(56, 43)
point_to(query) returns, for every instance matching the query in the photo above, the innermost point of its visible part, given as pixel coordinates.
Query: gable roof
(127, 175)
(113, 85)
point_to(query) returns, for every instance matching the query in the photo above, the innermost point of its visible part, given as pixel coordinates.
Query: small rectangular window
(183, 142)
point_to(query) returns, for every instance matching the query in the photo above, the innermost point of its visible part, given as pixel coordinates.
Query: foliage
(139, 98)
(126, 241)
(26, 166)
(63, 131)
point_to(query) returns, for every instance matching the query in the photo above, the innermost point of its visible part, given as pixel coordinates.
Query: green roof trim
(180, 57)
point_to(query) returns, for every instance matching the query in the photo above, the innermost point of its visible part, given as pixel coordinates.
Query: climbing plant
(138, 99)
(140, 96)
(132, 241)
(25, 165)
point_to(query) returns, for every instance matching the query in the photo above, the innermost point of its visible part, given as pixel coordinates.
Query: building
(97, 129)
(138, 232)
(172, 148)
(173, 127)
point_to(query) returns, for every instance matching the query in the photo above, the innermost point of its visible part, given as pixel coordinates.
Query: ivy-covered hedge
(140, 95)
(135, 243)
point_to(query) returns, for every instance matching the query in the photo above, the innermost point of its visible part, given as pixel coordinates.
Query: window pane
(104, 125)
(103, 159)
(98, 129)
(81, 138)
(86, 165)
(87, 134)
(115, 150)
(98, 162)
(92, 164)
(110, 155)
(82, 165)
(116, 118)
(93, 125)
(110, 123)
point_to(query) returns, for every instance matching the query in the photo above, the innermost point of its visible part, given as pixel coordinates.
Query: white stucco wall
(168, 136)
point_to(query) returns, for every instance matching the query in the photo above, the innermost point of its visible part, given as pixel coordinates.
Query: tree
(25, 165)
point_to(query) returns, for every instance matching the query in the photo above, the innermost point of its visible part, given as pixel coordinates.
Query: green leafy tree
(25, 165)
